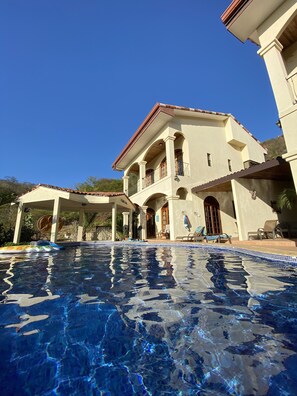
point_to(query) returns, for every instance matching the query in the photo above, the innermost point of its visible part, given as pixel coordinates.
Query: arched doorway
(212, 216)
(150, 223)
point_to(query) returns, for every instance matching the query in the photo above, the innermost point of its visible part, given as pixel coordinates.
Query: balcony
(182, 169)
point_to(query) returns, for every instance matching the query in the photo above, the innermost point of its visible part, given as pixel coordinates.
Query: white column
(172, 215)
(142, 170)
(125, 223)
(55, 223)
(278, 75)
(80, 228)
(284, 97)
(242, 231)
(18, 224)
(143, 222)
(130, 224)
(114, 222)
(126, 184)
(170, 157)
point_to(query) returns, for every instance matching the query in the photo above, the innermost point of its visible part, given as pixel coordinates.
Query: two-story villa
(173, 150)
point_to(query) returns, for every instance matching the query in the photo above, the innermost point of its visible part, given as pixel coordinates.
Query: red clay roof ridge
(233, 9)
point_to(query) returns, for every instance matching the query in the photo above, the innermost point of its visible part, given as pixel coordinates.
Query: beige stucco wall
(252, 213)
(197, 137)
(228, 220)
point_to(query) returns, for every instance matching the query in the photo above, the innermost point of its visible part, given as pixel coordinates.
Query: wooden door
(165, 216)
(212, 216)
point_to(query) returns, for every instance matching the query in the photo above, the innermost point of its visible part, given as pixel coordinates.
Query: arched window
(179, 164)
(149, 177)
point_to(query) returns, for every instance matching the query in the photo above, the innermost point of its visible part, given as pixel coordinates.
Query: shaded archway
(182, 193)
(212, 216)
(150, 223)
(133, 184)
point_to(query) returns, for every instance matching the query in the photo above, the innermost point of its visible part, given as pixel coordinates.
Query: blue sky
(78, 77)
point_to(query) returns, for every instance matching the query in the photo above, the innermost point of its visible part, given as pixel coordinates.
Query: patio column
(142, 170)
(80, 228)
(125, 223)
(285, 100)
(273, 59)
(143, 222)
(18, 224)
(172, 215)
(55, 222)
(170, 160)
(126, 185)
(131, 224)
(114, 222)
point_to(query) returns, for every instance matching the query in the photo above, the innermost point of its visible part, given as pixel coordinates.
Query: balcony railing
(182, 169)
(292, 80)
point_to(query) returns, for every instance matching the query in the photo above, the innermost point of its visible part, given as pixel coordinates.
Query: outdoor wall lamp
(176, 178)
(253, 193)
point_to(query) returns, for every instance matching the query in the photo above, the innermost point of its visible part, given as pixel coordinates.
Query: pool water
(144, 320)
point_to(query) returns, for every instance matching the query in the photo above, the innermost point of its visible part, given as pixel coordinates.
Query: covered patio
(254, 193)
(58, 199)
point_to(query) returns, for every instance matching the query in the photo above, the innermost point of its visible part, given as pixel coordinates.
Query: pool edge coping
(262, 255)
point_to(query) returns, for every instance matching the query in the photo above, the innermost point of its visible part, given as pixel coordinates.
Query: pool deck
(280, 246)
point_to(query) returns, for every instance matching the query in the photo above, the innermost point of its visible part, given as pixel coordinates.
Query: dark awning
(276, 169)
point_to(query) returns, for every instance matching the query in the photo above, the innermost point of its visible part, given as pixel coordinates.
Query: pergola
(58, 199)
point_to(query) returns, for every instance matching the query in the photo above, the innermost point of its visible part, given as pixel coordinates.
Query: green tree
(102, 185)
(10, 189)
(287, 199)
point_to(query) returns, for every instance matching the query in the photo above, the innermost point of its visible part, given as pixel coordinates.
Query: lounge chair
(222, 238)
(270, 228)
(197, 235)
(164, 233)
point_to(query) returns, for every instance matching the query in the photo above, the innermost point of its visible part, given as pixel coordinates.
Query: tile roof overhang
(42, 196)
(243, 17)
(159, 116)
(276, 169)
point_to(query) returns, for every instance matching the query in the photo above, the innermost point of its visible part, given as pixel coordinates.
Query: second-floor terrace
(164, 159)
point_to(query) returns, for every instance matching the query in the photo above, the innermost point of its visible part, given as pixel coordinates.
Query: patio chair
(164, 233)
(270, 228)
(197, 235)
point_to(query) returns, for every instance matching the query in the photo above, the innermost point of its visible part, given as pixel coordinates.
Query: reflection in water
(145, 321)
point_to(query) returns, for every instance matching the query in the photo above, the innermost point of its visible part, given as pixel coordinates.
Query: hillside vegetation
(11, 188)
(275, 147)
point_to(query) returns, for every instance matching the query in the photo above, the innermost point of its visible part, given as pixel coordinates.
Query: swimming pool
(144, 320)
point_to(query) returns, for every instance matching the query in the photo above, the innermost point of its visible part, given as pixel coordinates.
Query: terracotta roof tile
(96, 193)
